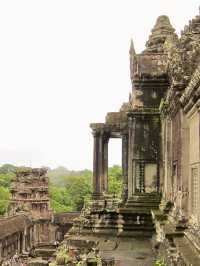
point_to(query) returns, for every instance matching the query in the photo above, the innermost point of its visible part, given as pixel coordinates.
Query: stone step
(44, 252)
(119, 225)
(37, 262)
(146, 195)
(127, 223)
(142, 204)
(135, 210)
(143, 200)
(122, 222)
(133, 219)
(124, 228)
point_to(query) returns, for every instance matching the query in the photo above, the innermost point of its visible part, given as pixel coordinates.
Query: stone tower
(159, 128)
(29, 193)
(138, 122)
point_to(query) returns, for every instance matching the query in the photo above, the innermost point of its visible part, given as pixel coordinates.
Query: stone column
(1, 250)
(18, 243)
(125, 165)
(97, 150)
(100, 163)
(104, 174)
(131, 166)
(24, 241)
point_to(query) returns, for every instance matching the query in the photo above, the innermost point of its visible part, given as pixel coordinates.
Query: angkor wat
(157, 216)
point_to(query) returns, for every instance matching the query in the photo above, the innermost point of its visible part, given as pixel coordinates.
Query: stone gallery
(156, 220)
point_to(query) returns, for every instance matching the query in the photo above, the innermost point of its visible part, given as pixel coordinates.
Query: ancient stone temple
(29, 193)
(30, 227)
(138, 122)
(159, 128)
(158, 214)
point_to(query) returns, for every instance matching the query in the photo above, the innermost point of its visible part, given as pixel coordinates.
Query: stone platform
(124, 251)
(130, 219)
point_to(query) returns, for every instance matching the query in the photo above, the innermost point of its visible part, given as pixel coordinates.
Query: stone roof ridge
(193, 26)
(161, 30)
(13, 224)
(190, 45)
(28, 171)
(193, 84)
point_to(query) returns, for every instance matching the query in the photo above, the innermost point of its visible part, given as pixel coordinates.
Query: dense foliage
(4, 199)
(6, 174)
(68, 189)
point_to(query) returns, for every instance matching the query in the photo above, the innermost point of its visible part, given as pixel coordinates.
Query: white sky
(65, 64)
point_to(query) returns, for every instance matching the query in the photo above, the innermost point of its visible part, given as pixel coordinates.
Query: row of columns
(125, 155)
(100, 163)
(18, 242)
(133, 163)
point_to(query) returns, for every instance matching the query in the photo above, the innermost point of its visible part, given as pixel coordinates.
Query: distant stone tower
(29, 193)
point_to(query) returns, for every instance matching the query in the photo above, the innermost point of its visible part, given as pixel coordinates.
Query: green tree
(4, 199)
(80, 191)
(5, 179)
(69, 188)
(115, 180)
(8, 168)
(60, 200)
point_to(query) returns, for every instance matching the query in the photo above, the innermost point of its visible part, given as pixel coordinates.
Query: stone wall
(16, 235)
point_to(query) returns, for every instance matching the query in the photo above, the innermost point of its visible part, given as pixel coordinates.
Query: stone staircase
(143, 202)
(137, 217)
(131, 219)
(45, 251)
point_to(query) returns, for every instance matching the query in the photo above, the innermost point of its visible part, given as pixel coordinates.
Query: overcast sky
(65, 64)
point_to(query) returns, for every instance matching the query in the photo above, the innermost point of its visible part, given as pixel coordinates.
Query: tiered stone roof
(13, 224)
(160, 32)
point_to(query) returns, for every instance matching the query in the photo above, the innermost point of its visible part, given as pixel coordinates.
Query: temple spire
(159, 33)
(132, 57)
(132, 48)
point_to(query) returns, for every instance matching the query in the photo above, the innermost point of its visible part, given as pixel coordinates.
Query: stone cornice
(193, 109)
(192, 88)
(143, 111)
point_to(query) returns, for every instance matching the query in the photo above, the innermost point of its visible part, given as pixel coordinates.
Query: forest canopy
(68, 190)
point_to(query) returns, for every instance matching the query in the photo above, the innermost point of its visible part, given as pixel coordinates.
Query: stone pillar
(125, 165)
(18, 243)
(97, 150)
(24, 241)
(100, 163)
(105, 164)
(1, 250)
(131, 166)
(31, 237)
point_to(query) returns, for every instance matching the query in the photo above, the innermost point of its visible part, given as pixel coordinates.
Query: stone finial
(163, 21)
(132, 56)
(159, 33)
(132, 48)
